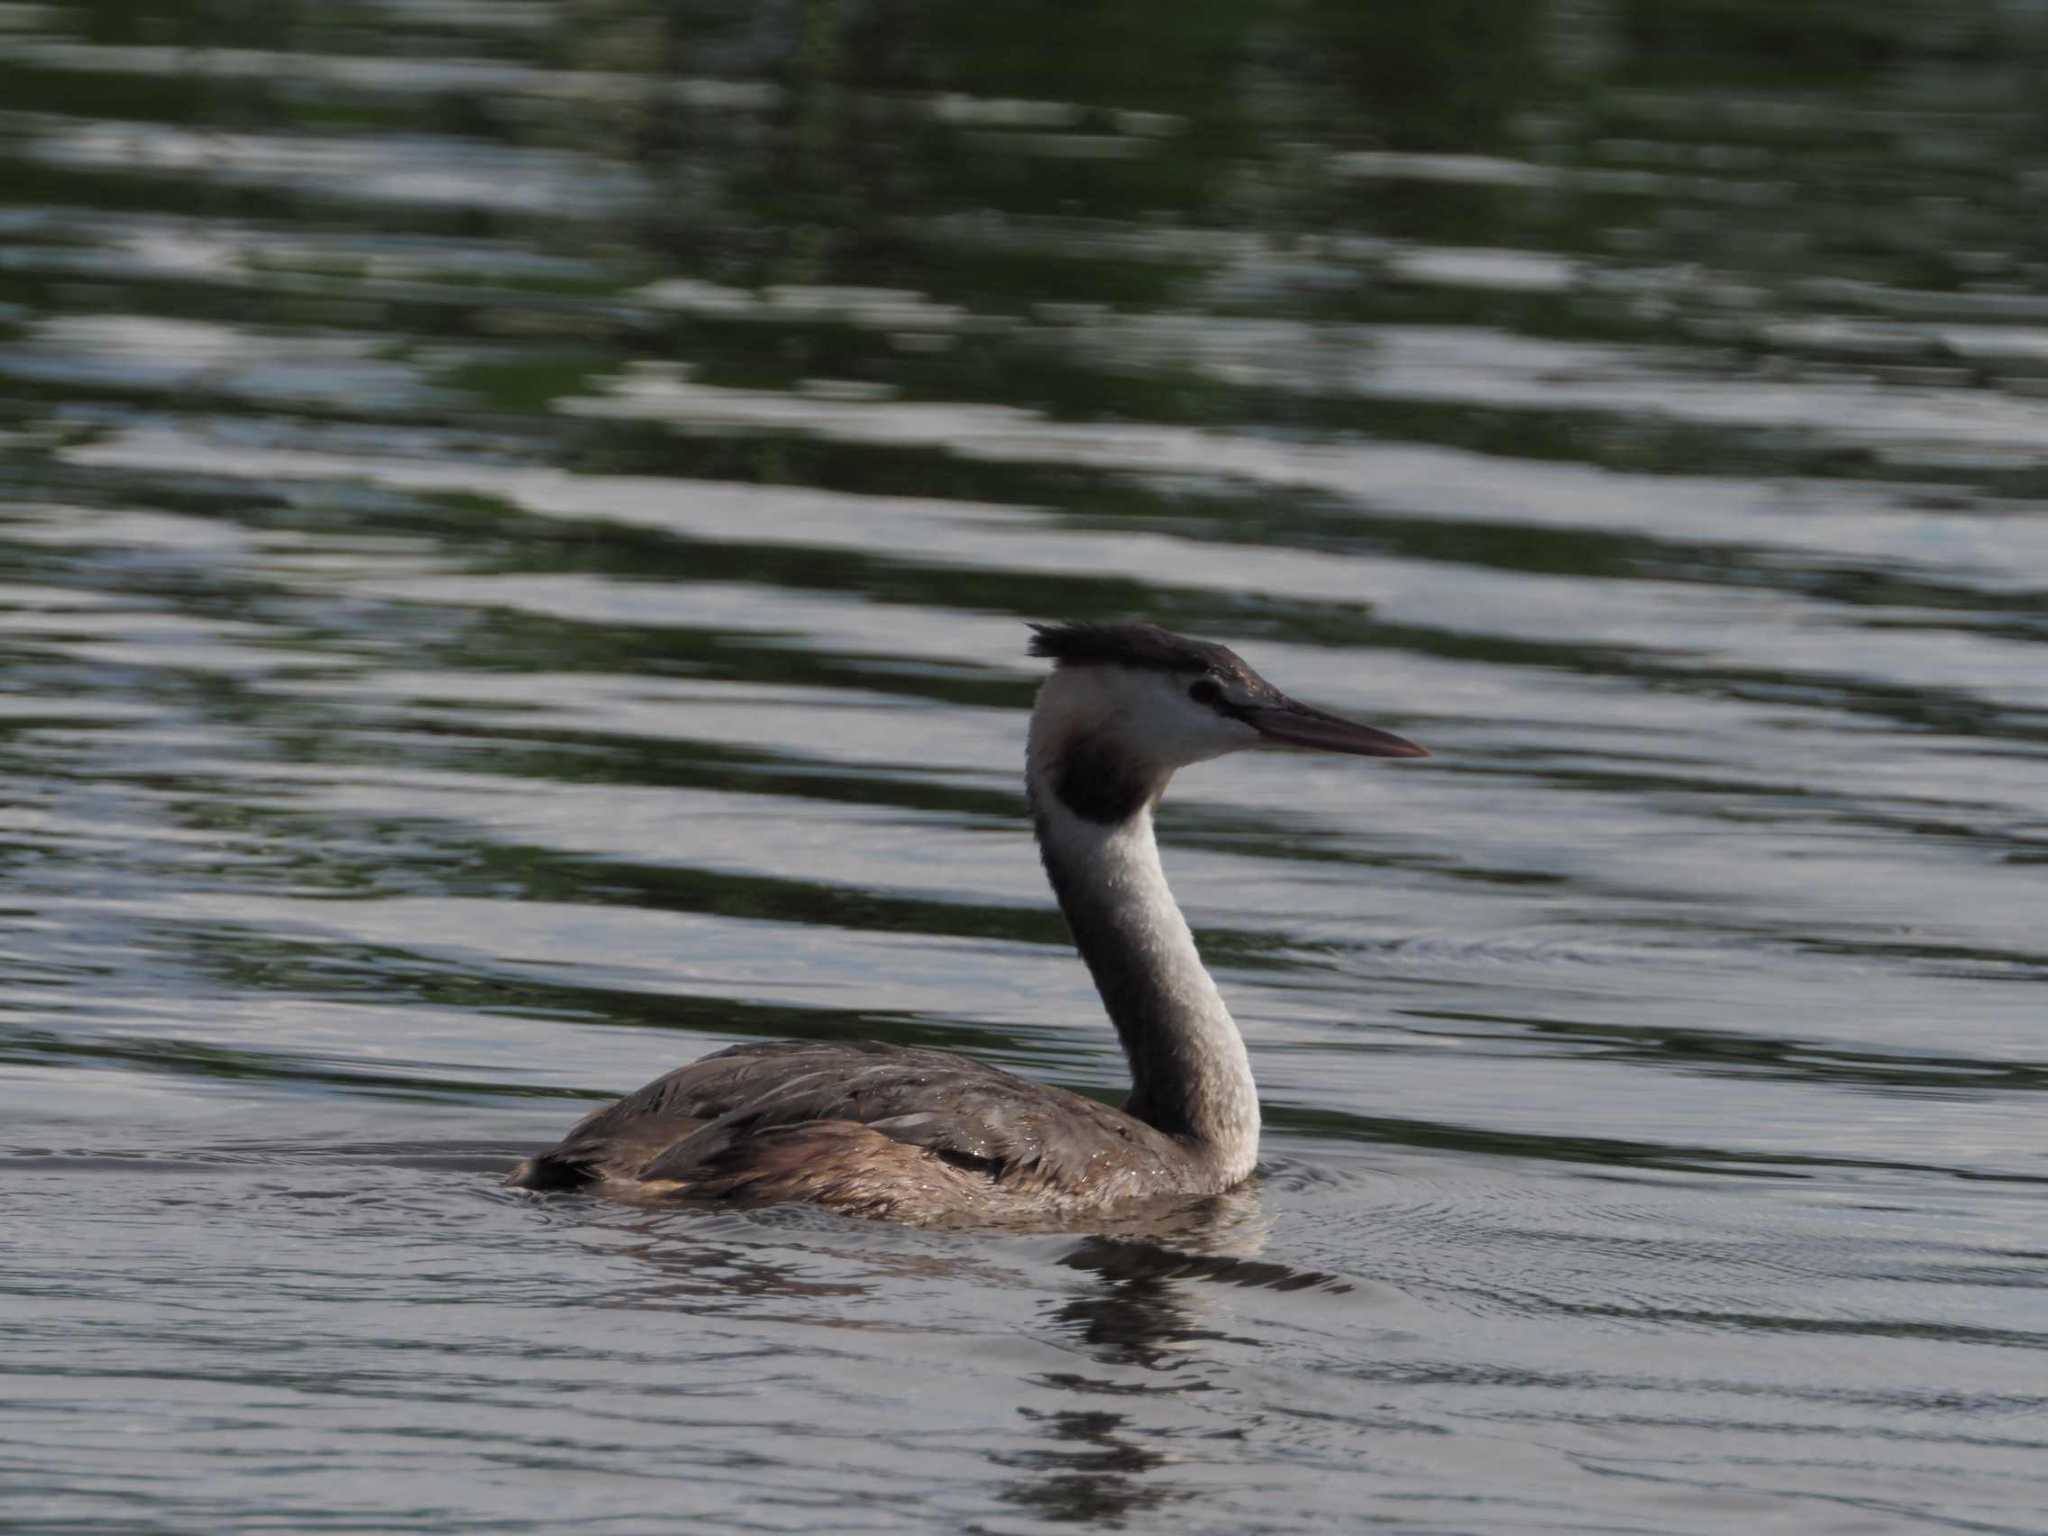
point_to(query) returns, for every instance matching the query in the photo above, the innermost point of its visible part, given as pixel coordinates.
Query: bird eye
(1205, 690)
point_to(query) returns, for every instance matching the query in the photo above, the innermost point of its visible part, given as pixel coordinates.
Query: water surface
(516, 524)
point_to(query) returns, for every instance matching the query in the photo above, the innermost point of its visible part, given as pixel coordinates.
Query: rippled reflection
(515, 526)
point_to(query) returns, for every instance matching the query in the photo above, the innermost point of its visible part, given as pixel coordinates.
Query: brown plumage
(879, 1130)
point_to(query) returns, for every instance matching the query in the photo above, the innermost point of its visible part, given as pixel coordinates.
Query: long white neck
(1190, 1075)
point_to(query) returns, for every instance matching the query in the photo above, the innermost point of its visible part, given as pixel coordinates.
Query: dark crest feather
(1131, 645)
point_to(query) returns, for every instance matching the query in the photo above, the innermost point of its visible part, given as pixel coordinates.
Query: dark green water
(516, 522)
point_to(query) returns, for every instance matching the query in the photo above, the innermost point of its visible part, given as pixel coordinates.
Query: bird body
(927, 1136)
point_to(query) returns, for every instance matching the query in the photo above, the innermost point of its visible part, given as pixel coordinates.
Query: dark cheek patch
(1099, 784)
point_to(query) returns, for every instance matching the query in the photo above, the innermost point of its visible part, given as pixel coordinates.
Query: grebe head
(1127, 704)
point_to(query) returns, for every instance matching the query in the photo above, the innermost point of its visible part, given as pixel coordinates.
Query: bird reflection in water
(1143, 1314)
(1136, 1306)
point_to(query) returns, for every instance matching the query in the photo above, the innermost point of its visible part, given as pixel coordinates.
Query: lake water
(518, 525)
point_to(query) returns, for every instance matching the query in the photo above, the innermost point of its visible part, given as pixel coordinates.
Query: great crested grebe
(927, 1136)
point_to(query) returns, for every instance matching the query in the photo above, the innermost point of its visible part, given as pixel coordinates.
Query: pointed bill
(1288, 723)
